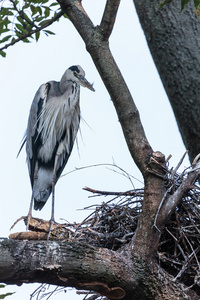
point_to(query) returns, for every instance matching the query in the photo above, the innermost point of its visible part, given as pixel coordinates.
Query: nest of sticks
(113, 223)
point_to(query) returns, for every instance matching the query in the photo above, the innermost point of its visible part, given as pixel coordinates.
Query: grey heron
(52, 128)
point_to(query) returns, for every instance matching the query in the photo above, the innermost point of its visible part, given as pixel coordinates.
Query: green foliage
(183, 3)
(24, 20)
(3, 296)
(164, 2)
(196, 3)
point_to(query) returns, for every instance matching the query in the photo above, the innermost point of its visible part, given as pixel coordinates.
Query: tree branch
(38, 29)
(109, 17)
(129, 119)
(72, 264)
(125, 107)
(22, 15)
(64, 264)
(168, 36)
(78, 16)
(173, 200)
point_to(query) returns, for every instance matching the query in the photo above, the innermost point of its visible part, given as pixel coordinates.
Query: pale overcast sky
(26, 67)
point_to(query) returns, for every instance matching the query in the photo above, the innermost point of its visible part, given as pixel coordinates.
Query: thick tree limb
(79, 17)
(63, 264)
(174, 41)
(72, 264)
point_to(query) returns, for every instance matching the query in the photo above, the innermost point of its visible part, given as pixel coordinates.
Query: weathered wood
(84, 267)
(63, 264)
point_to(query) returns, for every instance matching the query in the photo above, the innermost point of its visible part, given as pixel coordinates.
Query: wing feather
(70, 136)
(33, 141)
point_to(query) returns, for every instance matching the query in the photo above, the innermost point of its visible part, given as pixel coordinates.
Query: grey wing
(70, 136)
(33, 141)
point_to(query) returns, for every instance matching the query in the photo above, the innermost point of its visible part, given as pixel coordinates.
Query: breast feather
(55, 119)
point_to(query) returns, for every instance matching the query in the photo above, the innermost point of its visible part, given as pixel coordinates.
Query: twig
(179, 164)
(129, 176)
(160, 205)
(106, 193)
(192, 250)
(25, 35)
(185, 264)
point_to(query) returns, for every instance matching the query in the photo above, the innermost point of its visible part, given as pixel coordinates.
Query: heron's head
(77, 74)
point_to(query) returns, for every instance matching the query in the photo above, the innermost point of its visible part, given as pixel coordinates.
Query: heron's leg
(53, 186)
(52, 220)
(32, 197)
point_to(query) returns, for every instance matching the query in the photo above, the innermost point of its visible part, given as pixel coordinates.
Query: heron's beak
(83, 81)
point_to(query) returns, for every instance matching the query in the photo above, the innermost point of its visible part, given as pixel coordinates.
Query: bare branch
(179, 164)
(78, 16)
(174, 199)
(106, 193)
(125, 107)
(109, 17)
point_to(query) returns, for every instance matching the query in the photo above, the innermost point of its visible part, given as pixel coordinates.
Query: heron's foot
(27, 221)
(19, 219)
(35, 224)
(42, 230)
(52, 225)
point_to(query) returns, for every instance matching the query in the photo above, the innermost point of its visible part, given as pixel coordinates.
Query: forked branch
(98, 48)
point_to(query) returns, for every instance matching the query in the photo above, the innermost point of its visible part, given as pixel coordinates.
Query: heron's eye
(75, 73)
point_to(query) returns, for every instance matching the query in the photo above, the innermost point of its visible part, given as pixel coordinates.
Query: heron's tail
(39, 203)
(42, 188)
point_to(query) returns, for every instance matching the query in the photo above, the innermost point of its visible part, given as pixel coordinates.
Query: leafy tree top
(25, 20)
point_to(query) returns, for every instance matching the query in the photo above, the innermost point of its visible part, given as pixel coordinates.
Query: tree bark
(72, 264)
(173, 38)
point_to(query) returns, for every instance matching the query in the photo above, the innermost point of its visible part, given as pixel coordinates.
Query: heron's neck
(64, 85)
